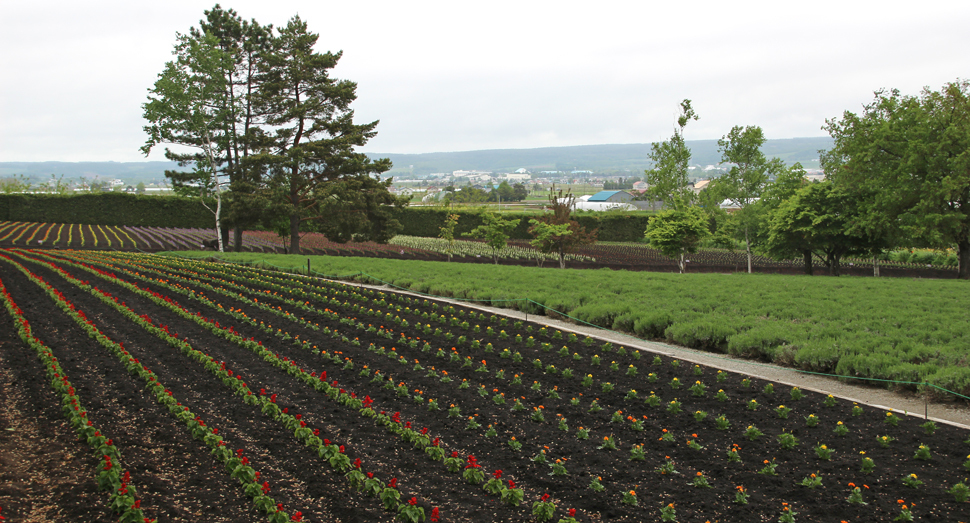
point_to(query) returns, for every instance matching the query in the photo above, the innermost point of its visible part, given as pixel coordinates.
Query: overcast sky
(451, 76)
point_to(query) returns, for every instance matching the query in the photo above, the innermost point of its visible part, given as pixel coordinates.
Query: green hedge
(106, 209)
(172, 211)
(613, 226)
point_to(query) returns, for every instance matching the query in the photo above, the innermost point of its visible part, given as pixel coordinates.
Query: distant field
(897, 329)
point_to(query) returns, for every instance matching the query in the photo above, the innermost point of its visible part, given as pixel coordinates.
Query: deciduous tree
(746, 180)
(188, 106)
(495, 231)
(668, 178)
(816, 220)
(557, 232)
(913, 152)
(678, 232)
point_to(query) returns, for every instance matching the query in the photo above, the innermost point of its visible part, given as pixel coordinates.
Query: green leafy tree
(495, 231)
(467, 195)
(140, 188)
(247, 42)
(448, 233)
(187, 107)
(745, 182)
(14, 184)
(558, 232)
(668, 181)
(315, 175)
(816, 219)
(56, 185)
(678, 232)
(911, 154)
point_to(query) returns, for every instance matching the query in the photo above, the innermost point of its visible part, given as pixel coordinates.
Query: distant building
(611, 196)
(640, 187)
(700, 185)
(518, 177)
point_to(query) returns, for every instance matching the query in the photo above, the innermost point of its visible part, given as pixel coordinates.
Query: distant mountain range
(617, 158)
(598, 158)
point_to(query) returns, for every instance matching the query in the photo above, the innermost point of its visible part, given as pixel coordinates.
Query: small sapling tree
(557, 232)
(448, 233)
(495, 231)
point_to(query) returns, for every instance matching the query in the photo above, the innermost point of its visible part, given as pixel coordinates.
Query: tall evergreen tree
(315, 175)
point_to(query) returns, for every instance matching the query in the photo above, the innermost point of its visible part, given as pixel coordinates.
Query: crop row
(565, 398)
(902, 330)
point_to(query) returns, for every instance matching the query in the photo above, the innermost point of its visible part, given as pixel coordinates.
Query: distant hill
(598, 158)
(129, 172)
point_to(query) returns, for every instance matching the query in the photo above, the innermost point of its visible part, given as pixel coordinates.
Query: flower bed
(470, 412)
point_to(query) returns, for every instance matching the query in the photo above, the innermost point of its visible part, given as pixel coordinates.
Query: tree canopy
(911, 156)
(277, 125)
(668, 181)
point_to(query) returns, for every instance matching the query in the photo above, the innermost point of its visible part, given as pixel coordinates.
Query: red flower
(297, 516)
(511, 484)
(572, 512)
(413, 502)
(137, 503)
(265, 487)
(316, 432)
(286, 410)
(497, 474)
(357, 463)
(370, 475)
(434, 514)
(545, 497)
(341, 449)
(326, 441)
(392, 483)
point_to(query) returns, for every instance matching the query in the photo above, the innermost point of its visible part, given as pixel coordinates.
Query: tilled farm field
(208, 392)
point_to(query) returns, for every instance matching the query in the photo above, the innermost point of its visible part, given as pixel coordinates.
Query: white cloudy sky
(448, 76)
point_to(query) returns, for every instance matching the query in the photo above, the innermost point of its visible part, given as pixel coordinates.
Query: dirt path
(953, 413)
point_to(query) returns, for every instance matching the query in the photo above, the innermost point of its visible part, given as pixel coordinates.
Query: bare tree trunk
(294, 233)
(237, 238)
(680, 263)
(963, 250)
(218, 217)
(747, 247)
(807, 256)
(833, 263)
(875, 266)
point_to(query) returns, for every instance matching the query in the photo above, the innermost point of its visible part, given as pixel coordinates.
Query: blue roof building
(611, 196)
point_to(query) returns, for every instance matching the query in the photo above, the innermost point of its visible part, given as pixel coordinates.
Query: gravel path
(956, 413)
